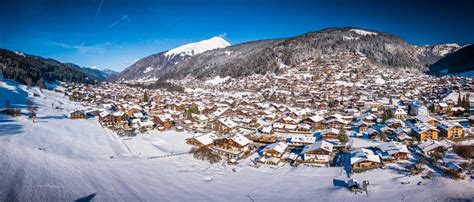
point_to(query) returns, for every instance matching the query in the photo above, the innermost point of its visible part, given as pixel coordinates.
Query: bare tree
(32, 110)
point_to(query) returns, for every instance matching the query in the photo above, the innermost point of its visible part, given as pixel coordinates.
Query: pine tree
(40, 83)
(145, 97)
(459, 100)
(466, 102)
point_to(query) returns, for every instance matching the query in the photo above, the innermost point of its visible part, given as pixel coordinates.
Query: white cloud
(124, 18)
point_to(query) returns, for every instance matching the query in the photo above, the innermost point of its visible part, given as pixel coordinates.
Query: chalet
(425, 119)
(402, 135)
(223, 125)
(276, 149)
(450, 129)
(364, 159)
(165, 120)
(318, 152)
(200, 118)
(335, 123)
(133, 109)
(232, 148)
(392, 151)
(119, 118)
(330, 134)
(201, 140)
(431, 146)
(394, 123)
(266, 129)
(315, 121)
(424, 132)
(78, 114)
(367, 118)
(362, 126)
(399, 113)
(105, 118)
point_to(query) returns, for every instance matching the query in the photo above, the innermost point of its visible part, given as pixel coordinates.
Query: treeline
(30, 70)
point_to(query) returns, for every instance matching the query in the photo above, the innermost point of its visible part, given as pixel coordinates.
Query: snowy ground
(75, 162)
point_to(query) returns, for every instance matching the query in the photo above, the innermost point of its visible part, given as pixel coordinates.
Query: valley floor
(59, 159)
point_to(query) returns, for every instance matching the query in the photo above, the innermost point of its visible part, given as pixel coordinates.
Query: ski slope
(80, 159)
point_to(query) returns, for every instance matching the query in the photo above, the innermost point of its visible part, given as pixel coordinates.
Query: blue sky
(115, 33)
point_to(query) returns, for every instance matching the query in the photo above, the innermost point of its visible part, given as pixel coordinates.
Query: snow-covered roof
(448, 124)
(423, 127)
(228, 123)
(393, 147)
(363, 154)
(330, 130)
(368, 116)
(164, 117)
(219, 112)
(429, 145)
(240, 139)
(316, 118)
(206, 139)
(318, 145)
(104, 113)
(290, 127)
(267, 129)
(302, 139)
(393, 121)
(280, 147)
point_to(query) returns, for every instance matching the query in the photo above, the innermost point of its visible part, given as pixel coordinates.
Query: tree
(145, 97)
(343, 137)
(32, 110)
(466, 103)
(459, 100)
(194, 110)
(28, 81)
(382, 136)
(40, 83)
(388, 114)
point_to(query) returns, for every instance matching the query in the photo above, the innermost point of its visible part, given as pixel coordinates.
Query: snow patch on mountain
(442, 50)
(148, 69)
(198, 47)
(20, 53)
(363, 32)
(349, 38)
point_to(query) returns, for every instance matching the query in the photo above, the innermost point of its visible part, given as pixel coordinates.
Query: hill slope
(31, 69)
(459, 62)
(259, 57)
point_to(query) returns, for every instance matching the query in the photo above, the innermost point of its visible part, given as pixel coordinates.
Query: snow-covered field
(80, 159)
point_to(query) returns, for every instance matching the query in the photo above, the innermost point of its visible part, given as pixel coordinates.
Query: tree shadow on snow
(9, 126)
(86, 198)
(51, 117)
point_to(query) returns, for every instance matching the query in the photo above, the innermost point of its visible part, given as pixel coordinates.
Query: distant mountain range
(27, 68)
(94, 72)
(217, 58)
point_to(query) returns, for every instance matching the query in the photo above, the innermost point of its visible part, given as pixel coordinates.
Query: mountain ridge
(383, 49)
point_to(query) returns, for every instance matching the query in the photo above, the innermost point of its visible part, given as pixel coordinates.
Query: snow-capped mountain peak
(198, 47)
